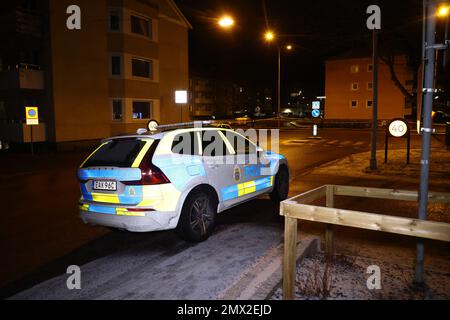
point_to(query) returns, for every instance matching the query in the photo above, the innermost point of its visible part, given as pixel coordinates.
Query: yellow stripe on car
(105, 198)
(82, 165)
(141, 154)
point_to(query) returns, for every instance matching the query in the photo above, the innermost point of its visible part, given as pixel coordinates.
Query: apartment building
(349, 89)
(120, 69)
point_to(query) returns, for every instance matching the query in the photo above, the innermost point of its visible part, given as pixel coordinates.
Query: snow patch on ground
(348, 277)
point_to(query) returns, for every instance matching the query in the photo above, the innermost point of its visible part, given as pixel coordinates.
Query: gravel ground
(347, 278)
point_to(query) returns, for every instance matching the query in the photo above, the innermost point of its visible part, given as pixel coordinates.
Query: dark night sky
(323, 29)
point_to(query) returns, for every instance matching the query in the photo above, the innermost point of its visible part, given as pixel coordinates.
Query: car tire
(281, 185)
(198, 217)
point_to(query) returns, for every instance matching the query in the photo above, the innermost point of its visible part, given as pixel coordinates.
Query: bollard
(315, 130)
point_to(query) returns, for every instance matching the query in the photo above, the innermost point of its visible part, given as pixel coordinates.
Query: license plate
(105, 185)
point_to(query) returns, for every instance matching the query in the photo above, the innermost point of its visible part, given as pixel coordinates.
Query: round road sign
(398, 128)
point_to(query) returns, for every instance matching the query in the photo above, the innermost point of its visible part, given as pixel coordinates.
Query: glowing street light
(443, 11)
(269, 36)
(226, 22)
(289, 47)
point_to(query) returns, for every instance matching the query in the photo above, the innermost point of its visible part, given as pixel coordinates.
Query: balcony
(22, 78)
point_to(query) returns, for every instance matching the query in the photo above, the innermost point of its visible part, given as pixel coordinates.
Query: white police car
(176, 179)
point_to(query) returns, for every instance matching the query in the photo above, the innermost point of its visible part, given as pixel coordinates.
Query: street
(41, 234)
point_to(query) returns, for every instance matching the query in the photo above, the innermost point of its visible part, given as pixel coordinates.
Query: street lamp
(443, 11)
(226, 22)
(270, 36)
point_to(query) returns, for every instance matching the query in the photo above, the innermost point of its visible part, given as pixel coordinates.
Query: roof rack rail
(183, 125)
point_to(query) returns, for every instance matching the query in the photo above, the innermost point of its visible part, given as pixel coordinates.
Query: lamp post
(270, 37)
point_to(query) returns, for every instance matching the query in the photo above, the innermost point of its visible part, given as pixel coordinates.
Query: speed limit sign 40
(398, 128)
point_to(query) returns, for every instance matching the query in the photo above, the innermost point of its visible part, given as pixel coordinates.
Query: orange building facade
(349, 89)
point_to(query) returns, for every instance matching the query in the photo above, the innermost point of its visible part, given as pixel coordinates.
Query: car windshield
(116, 153)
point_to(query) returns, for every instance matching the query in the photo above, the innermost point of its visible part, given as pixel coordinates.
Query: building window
(355, 86)
(117, 109)
(369, 104)
(141, 26)
(369, 86)
(114, 20)
(116, 65)
(369, 67)
(354, 104)
(354, 69)
(142, 110)
(142, 68)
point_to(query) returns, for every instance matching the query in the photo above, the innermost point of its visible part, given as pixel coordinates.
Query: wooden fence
(297, 208)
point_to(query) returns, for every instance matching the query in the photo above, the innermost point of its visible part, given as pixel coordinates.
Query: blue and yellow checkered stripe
(246, 188)
(110, 210)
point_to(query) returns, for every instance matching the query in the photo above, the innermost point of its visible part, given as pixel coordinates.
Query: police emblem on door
(237, 173)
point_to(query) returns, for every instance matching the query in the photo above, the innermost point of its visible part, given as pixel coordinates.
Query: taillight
(152, 175)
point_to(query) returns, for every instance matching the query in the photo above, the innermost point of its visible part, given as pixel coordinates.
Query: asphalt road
(41, 234)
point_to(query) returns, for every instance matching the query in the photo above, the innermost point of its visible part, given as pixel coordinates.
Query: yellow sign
(32, 115)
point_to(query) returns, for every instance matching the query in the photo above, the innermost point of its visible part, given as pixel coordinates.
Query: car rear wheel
(198, 217)
(281, 185)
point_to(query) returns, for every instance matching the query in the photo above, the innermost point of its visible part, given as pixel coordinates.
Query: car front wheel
(281, 185)
(198, 217)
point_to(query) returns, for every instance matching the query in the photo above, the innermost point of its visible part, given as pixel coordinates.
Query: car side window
(240, 144)
(213, 145)
(186, 144)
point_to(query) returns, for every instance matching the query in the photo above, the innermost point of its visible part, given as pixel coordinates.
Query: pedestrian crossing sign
(32, 116)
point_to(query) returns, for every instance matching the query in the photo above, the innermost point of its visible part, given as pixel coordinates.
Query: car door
(251, 163)
(219, 164)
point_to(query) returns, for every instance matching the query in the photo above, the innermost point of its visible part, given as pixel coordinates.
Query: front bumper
(150, 221)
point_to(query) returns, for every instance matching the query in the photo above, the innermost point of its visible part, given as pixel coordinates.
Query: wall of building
(83, 86)
(341, 74)
(79, 69)
(174, 69)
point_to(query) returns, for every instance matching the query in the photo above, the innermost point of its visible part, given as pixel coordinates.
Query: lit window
(141, 26)
(369, 86)
(354, 69)
(141, 68)
(117, 109)
(116, 65)
(142, 109)
(355, 86)
(369, 104)
(354, 104)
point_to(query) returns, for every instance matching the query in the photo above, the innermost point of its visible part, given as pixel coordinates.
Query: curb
(262, 279)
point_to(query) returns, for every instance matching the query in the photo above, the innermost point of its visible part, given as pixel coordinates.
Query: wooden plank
(309, 196)
(289, 260)
(389, 194)
(370, 221)
(329, 232)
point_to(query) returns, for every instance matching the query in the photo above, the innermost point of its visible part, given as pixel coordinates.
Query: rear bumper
(152, 221)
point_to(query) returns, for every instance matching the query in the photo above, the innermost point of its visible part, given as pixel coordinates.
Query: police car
(178, 177)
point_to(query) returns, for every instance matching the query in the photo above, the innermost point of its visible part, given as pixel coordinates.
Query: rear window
(117, 153)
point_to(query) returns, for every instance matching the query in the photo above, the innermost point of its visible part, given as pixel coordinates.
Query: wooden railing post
(329, 232)
(290, 254)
